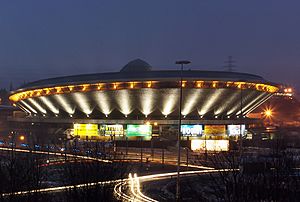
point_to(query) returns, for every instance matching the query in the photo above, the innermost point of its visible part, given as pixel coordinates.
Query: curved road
(125, 189)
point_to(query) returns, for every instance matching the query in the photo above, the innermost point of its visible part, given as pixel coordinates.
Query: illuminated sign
(191, 130)
(139, 130)
(86, 129)
(235, 130)
(214, 130)
(112, 130)
(210, 145)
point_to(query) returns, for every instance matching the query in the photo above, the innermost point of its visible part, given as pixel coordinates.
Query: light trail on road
(128, 189)
(137, 181)
(63, 188)
(133, 183)
(119, 194)
(60, 154)
(55, 154)
(134, 187)
(162, 176)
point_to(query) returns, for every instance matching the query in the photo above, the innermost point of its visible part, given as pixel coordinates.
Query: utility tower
(229, 64)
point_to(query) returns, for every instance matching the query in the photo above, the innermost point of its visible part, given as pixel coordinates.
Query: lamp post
(241, 118)
(180, 62)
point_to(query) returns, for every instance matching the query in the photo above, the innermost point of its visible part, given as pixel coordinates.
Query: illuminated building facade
(137, 95)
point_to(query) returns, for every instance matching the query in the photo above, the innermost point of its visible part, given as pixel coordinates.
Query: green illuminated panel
(139, 130)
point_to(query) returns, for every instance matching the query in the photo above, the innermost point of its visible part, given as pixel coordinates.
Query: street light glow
(268, 113)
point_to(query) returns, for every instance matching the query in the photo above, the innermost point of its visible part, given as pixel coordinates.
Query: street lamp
(268, 113)
(22, 137)
(241, 117)
(180, 62)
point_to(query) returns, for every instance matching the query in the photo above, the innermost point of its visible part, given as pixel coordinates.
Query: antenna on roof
(229, 64)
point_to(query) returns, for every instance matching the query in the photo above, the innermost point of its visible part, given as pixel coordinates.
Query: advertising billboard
(236, 130)
(210, 145)
(85, 129)
(192, 130)
(214, 130)
(139, 130)
(112, 130)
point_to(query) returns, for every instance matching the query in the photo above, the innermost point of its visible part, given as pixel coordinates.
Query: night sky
(42, 39)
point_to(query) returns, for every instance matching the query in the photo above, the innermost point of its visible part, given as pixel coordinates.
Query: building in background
(140, 103)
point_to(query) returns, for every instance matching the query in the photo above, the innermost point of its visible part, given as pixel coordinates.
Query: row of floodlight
(37, 106)
(147, 116)
(136, 85)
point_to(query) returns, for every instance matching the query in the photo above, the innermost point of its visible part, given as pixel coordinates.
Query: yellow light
(71, 88)
(240, 84)
(228, 83)
(58, 89)
(148, 123)
(268, 113)
(84, 87)
(47, 91)
(200, 84)
(14, 98)
(22, 137)
(155, 123)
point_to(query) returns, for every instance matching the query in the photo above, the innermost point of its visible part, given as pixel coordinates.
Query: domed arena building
(141, 102)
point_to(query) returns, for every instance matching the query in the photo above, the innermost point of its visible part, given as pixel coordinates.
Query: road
(130, 190)
(127, 189)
